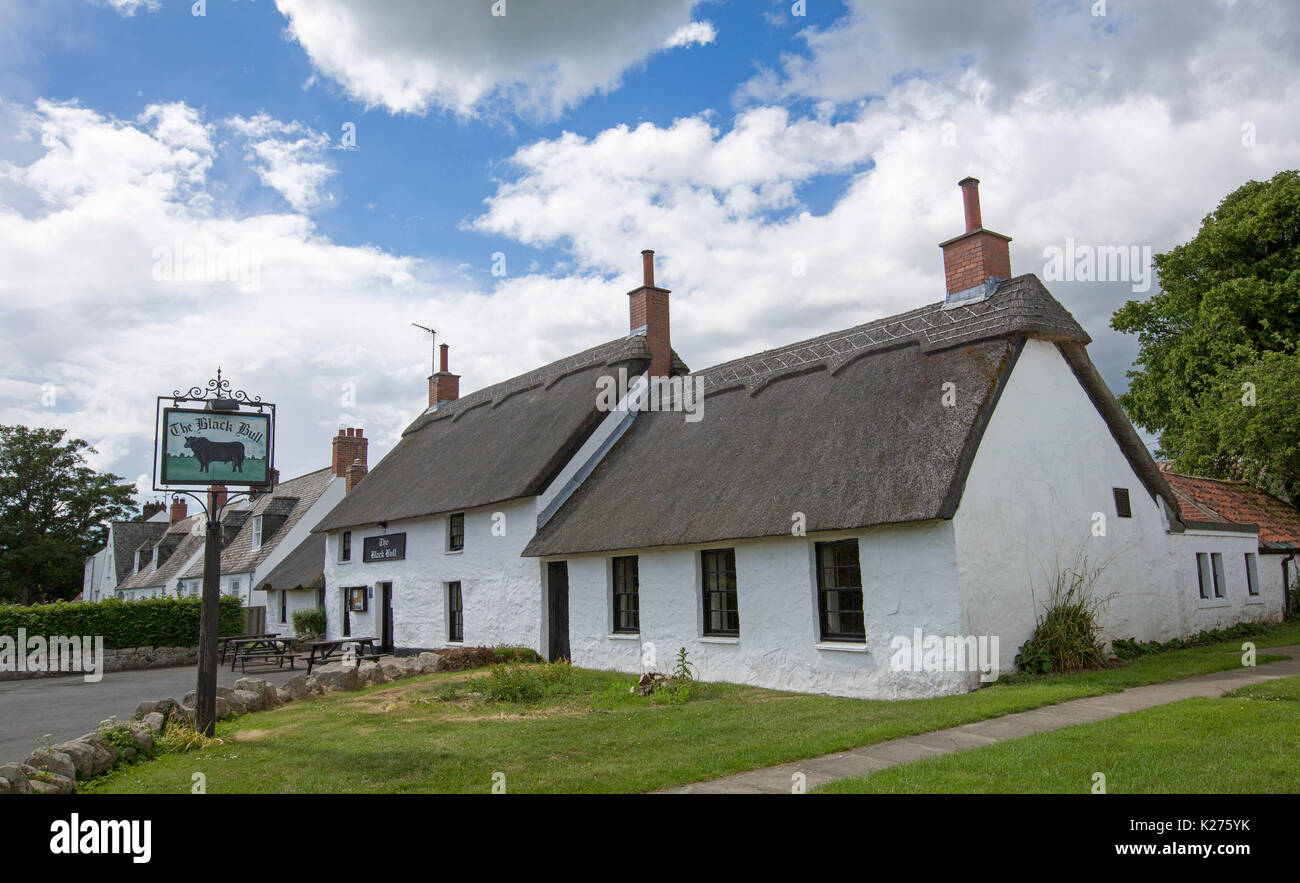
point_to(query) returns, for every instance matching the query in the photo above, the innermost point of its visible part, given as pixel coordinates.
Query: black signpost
(228, 441)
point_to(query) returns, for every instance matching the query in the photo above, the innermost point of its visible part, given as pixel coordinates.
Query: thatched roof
(303, 568)
(848, 428)
(499, 443)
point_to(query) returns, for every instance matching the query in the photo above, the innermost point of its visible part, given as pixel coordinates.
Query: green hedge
(151, 622)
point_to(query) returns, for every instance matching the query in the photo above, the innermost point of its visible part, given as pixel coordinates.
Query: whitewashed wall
(500, 590)
(302, 599)
(1044, 470)
(909, 582)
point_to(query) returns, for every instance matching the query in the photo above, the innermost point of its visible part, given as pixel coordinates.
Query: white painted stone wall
(1043, 472)
(303, 599)
(500, 590)
(909, 582)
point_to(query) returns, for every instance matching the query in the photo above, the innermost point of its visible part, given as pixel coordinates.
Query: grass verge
(438, 733)
(1243, 743)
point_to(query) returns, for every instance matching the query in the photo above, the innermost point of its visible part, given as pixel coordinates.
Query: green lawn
(426, 735)
(1247, 742)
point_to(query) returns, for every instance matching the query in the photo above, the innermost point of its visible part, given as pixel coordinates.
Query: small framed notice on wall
(357, 599)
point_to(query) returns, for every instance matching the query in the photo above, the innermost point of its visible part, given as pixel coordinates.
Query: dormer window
(257, 532)
(143, 557)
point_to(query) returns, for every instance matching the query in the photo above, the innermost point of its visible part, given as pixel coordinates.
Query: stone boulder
(106, 754)
(15, 779)
(142, 736)
(42, 782)
(283, 696)
(55, 762)
(394, 671)
(155, 722)
(250, 700)
(262, 688)
(337, 676)
(431, 662)
(165, 707)
(369, 673)
(297, 687)
(82, 756)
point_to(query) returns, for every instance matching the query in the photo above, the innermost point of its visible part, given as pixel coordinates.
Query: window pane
(721, 610)
(839, 591)
(627, 608)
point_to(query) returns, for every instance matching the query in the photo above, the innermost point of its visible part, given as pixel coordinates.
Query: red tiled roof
(1213, 499)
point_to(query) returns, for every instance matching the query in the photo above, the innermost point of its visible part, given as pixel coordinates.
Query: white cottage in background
(848, 498)
(276, 525)
(108, 567)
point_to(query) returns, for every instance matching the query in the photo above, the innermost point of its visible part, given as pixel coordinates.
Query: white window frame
(1220, 579)
(257, 533)
(1252, 575)
(1203, 578)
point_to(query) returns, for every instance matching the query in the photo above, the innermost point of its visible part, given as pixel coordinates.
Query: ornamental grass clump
(1066, 637)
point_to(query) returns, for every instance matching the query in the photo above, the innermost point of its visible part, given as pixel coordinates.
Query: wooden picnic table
(325, 651)
(224, 641)
(261, 647)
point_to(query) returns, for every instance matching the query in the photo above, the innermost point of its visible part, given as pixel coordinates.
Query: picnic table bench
(323, 652)
(263, 649)
(224, 642)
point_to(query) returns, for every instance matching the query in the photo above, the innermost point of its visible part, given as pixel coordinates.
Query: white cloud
(697, 33)
(537, 59)
(288, 158)
(130, 7)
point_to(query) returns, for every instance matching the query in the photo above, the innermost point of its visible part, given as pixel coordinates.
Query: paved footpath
(868, 759)
(67, 706)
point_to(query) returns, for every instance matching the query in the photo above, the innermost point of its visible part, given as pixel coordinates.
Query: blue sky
(733, 137)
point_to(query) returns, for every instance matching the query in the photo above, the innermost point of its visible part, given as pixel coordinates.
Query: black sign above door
(389, 547)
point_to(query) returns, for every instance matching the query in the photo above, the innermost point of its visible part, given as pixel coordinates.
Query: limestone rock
(431, 662)
(13, 774)
(250, 700)
(155, 722)
(54, 761)
(337, 676)
(297, 687)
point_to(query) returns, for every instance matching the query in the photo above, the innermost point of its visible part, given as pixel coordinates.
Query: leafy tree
(52, 513)
(1216, 370)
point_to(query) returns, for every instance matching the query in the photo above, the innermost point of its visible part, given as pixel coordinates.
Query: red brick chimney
(178, 512)
(218, 497)
(975, 261)
(349, 445)
(648, 307)
(152, 508)
(356, 472)
(443, 386)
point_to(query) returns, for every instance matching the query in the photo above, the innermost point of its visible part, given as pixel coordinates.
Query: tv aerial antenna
(433, 347)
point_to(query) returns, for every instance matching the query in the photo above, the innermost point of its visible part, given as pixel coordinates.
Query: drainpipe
(1286, 585)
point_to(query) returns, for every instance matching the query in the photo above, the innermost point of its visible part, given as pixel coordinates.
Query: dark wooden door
(386, 608)
(557, 590)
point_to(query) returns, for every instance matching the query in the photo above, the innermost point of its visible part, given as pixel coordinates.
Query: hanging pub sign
(389, 547)
(215, 437)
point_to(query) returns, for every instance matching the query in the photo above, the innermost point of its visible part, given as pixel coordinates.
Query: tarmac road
(67, 706)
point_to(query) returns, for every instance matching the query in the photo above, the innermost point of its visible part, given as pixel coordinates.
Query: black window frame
(1203, 578)
(625, 602)
(284, 606)
(720, 602)
(455, 613)
(1123, 503)
(456, 538)
(1252, 574)
(345, 546)
(824, 569)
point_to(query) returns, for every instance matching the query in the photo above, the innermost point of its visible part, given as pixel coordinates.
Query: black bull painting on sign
(207, 451)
